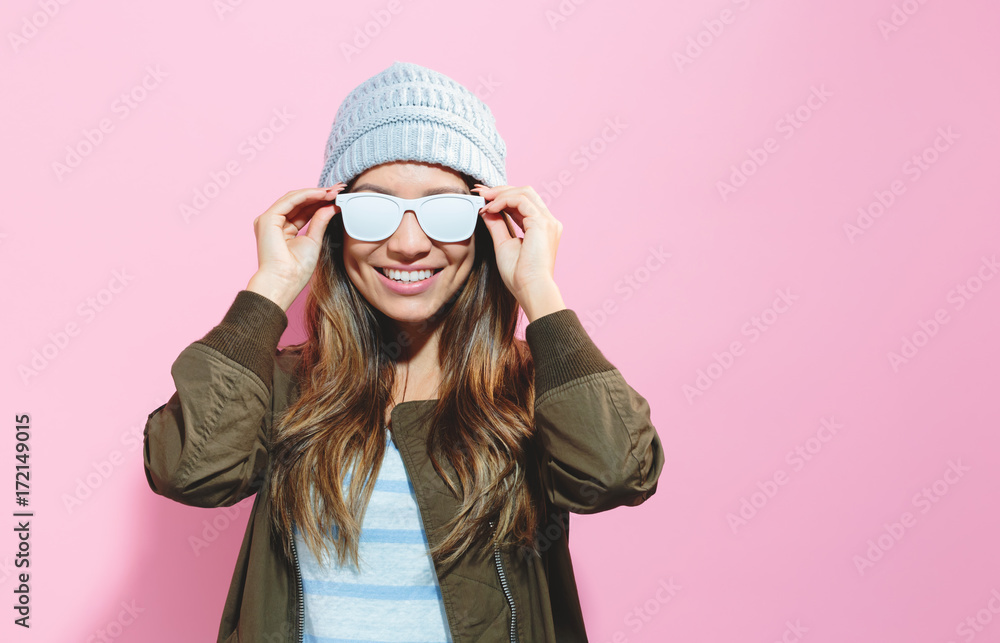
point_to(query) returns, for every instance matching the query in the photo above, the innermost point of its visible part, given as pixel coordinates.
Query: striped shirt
(395, 598)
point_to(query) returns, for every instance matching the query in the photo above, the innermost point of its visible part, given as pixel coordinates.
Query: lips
(433, 272)
(409, 268)
(408, 287)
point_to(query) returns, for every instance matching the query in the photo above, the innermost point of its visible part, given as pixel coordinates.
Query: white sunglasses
(373, 216)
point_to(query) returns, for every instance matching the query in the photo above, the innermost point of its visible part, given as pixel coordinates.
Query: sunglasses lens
(448, 218)
(370, 217)
(374, 217)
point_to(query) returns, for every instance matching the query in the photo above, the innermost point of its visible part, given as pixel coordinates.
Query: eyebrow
(381, 190)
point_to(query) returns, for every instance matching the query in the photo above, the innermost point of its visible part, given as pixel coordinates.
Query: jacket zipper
(298, 583)
(506, 591)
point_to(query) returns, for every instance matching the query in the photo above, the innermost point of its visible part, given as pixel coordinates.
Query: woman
(435, 453)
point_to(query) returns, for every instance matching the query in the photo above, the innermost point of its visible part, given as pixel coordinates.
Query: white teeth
(407, 276)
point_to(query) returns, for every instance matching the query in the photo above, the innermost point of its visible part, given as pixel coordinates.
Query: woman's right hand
(285, 259)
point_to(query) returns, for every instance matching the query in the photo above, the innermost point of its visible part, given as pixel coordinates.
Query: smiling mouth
(409, 277)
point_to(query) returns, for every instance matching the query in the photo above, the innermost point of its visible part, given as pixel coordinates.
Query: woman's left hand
(527, 264)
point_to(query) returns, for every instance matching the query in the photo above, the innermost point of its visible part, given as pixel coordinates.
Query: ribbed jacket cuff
(562, 350)
(249, 333)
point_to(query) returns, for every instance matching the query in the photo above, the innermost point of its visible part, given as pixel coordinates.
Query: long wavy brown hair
(482, 423)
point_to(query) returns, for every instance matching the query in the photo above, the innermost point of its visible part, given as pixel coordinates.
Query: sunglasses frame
(404, 205)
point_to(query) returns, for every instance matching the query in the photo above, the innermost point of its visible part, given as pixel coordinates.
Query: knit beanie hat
(408, 112)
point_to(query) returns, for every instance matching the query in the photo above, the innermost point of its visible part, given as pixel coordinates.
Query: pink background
(847, 106)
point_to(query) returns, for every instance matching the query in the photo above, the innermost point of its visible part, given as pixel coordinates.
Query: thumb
(497, 226)
(319, 221)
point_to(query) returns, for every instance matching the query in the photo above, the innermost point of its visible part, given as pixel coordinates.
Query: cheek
(356, 270)
(463, 260)
(469, 253)
(355, 254)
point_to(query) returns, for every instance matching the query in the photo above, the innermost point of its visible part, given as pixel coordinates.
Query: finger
(306, 211)
(516, 205)
(492, 193)
(298, 218)
(498, 228)
(480, 186)
(510, 226)
(526, 192)
(270, 244)
(536, 198)
(295, 199)
(319, 221)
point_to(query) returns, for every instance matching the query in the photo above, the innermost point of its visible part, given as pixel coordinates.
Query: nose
(409, 238)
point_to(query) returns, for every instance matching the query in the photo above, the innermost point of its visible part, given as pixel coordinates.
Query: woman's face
(408, 248)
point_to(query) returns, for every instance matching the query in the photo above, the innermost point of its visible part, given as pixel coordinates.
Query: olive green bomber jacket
(206, 447)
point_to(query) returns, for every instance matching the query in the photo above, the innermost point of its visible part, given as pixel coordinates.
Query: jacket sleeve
(207, 446)
(598, 447)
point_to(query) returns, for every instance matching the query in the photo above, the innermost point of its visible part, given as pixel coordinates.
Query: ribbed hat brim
(414, 141)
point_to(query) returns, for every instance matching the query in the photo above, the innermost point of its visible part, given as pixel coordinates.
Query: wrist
(277, 290)
(540, 300)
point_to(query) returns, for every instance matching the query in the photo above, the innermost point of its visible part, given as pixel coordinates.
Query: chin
(409, 312)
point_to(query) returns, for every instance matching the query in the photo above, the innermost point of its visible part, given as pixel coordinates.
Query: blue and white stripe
(395, 597)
